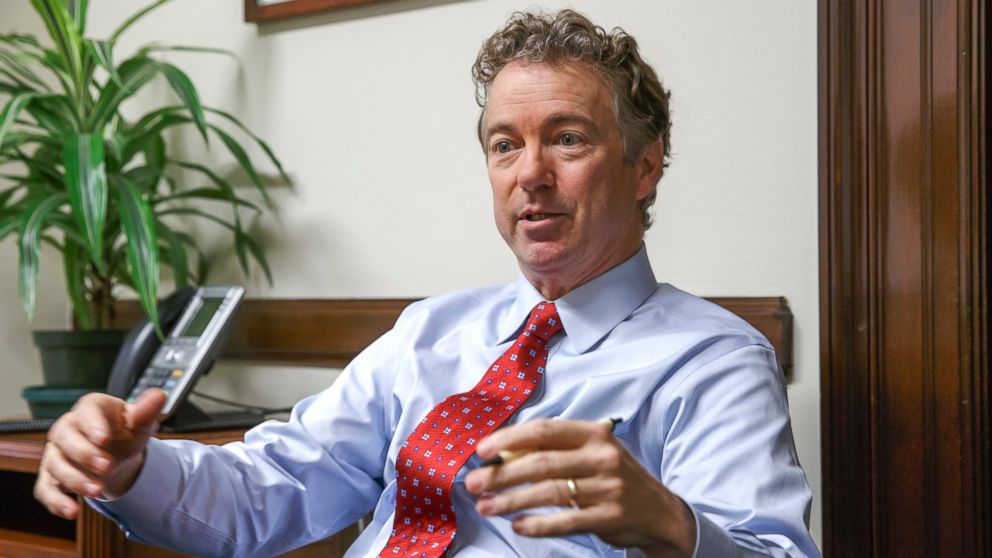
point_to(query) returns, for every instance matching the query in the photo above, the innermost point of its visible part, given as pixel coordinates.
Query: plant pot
(51, 401)
(78, 359)
(73, 363)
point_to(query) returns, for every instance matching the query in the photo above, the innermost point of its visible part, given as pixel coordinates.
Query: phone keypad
(160, 377)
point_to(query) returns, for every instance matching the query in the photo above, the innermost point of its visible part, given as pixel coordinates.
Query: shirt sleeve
(730, 455)
(286, 485)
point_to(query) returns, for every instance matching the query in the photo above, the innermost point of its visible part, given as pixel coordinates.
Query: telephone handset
(197, 322)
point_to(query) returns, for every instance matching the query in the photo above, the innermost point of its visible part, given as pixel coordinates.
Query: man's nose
(534, 171)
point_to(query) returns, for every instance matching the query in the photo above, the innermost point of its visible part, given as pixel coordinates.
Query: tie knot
(543, 321)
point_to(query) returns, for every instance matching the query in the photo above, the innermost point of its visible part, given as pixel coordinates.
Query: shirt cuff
(152, 494)
(711, 539)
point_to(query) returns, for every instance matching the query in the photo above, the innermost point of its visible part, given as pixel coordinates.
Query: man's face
(564, 200)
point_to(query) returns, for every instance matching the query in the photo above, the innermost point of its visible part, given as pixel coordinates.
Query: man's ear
(650, 167)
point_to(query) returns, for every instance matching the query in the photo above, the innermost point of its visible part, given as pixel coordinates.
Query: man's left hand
(614, 496)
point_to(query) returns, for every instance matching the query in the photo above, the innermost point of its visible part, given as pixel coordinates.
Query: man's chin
(544, 260)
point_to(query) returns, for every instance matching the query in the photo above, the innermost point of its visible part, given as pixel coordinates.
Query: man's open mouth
(538, 216)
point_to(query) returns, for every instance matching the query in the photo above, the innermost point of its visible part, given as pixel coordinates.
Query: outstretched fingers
(52, 495)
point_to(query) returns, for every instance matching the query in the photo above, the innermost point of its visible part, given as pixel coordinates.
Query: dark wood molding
(771, 316)
(95, 536)
(259, 13)
(903, 273)
(28, 530)
(330, 332)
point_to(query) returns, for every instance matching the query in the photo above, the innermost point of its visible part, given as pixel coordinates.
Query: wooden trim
(903, 273)
(261, 13)
(769, 315)
(331, 332)
(19, 544)
(95, 536)
(21, 452)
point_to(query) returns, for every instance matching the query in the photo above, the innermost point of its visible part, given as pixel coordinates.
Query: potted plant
(101, 187)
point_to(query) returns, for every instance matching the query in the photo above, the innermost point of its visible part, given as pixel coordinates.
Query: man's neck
(553, 286)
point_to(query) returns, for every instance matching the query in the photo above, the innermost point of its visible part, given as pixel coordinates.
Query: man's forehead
(571, 90)
(521, 76)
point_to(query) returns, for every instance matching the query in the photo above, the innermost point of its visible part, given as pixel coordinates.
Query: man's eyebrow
(554, 119)
(499, 128)
(569, 117)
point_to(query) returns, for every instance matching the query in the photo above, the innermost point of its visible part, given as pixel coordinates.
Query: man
(575, 130)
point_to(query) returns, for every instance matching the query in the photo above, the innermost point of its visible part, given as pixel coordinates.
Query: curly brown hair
(640, 101)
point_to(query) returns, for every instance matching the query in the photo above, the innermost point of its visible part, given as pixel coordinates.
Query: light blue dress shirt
(703, 405)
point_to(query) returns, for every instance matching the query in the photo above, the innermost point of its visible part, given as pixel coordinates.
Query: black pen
(506, 456)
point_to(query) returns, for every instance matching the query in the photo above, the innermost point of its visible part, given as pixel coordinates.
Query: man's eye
(569, 139)
(502, 147)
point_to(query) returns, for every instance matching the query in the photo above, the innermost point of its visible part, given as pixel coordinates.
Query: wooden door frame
(904, 252)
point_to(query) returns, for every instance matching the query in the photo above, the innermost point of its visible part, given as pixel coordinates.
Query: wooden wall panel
(331, 332)
(904, 307)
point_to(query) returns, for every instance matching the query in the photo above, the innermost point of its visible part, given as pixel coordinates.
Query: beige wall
(373, 114)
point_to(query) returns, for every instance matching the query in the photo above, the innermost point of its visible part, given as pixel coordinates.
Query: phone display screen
(199, 323)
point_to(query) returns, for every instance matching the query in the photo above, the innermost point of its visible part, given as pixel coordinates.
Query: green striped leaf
(14, 82)
(244, 244)
(159, 47)
(261, 143)
(86, 182)
(138, 224)
(78, 9)
(134, 73)
(41, 168)
(241, 242)
(222, 185)
(133, 19)
(20, 40)
(186, 92)
(17, 66)
(8, 224)
(239, 153)
(11, 111)
(101, 52)
(145, 177)
(154, 151)
(11, 88)
(17, 140)
(202, 261)
(65, 34)
(7, 194)
(175, 255)
(137, 137)
(33, 222)
(212, 194)
(74, 264)
(68, 227)
(52, 113)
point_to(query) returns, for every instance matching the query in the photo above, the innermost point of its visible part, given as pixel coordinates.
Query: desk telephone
(197, 322)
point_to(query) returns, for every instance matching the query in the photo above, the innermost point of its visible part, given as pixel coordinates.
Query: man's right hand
(97, 449)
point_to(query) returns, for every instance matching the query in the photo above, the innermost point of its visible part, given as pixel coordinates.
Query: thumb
(143, 414)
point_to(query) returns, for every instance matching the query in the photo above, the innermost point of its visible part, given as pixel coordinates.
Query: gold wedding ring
(573, 492)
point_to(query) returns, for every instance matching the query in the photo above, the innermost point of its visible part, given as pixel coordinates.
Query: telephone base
(226, 420)
(190, 418)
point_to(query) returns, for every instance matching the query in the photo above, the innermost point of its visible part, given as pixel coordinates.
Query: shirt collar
(591, 311)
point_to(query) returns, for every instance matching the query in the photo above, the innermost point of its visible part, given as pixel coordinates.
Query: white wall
(372, 112)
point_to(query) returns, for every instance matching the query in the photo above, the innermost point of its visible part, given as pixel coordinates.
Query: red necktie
(426, 465)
